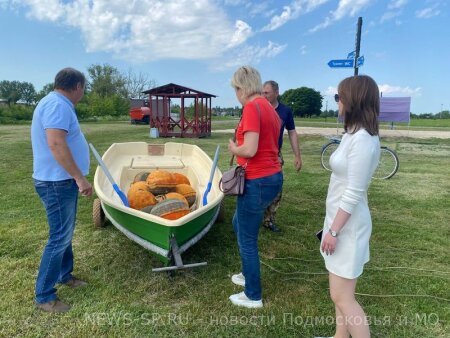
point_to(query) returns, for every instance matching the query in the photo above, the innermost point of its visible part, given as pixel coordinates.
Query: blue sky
(199, 44)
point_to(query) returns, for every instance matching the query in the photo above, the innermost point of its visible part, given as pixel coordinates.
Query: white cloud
(396, 4)
(331, 91)
(251, 55)
(4, 4)
(234, 2)
(261, 8)
(389, 16)
(394, 10)
(243, 31)
(385, 89)
(389, 89)
(146, 30)
(303, 50)
(293, 11)
(345, 8)
(428, 12)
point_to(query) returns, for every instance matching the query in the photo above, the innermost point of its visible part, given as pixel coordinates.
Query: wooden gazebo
(197, 124)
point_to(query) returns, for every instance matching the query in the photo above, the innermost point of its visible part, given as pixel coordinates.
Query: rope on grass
(403, 295)
(406, 268)
(297, 259)
(368, 268)
(292, 273)
(363, 294)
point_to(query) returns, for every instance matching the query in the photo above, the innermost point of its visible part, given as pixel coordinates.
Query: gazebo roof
(174, 89)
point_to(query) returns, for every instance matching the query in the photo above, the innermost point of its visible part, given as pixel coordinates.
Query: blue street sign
(351, 55)
(360, 61)
(345, 63)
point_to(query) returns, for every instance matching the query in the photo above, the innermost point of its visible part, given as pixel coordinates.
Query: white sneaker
(238, 279)
(240, 299)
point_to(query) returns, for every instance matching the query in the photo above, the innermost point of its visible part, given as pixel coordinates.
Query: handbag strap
(235, 130)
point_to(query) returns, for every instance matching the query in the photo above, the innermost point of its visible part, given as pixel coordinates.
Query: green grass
(125, 299)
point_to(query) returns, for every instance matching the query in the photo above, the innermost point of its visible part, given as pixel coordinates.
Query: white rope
(406, 268)
(403, 295)
(363, 294)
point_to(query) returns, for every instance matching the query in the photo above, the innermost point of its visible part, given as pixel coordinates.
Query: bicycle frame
(387, 166)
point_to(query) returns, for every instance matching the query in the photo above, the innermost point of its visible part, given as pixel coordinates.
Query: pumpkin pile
(161, 193)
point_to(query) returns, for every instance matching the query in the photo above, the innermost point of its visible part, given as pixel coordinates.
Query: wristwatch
(333, 233)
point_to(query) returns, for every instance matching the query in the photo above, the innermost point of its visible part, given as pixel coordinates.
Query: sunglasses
(336, 97)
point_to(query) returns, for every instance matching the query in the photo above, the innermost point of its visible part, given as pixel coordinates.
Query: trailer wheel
(98, 216)
(221, 215)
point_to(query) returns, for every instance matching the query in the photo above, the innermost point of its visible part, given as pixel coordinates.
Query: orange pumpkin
(180, 178)
(188, 192)
(170, 209)
(137, 186)
(160, 182)
(172, 195)
(141, 199)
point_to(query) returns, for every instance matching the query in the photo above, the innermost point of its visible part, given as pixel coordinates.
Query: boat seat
(163, 162)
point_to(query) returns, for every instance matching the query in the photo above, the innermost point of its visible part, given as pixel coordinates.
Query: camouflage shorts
(269, 213)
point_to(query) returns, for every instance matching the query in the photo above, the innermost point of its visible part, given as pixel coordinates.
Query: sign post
(354, 60)
(358, 44)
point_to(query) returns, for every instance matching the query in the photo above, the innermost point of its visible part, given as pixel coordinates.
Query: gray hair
(248, 80)
(273, 84)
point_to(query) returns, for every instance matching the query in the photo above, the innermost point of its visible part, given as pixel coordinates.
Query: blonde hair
(248, 80)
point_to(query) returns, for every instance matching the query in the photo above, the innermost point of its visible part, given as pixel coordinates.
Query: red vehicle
(140, 115)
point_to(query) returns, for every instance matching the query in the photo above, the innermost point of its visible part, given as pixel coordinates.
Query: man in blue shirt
(60, 164)
(271, 92)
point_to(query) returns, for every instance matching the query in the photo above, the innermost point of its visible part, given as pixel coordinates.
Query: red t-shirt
(267, 125)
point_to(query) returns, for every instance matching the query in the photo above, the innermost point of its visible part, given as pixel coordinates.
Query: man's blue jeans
(60, 202)
(258, 194)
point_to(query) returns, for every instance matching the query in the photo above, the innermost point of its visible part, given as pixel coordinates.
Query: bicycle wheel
(327, 150)
(388, 165)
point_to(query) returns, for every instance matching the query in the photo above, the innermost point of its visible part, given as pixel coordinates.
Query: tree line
(107, 94)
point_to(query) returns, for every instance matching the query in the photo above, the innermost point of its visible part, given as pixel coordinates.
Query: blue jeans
(258, 194)
(60, 202)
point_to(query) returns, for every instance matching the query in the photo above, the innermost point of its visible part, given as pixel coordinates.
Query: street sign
(351, 55)
(344, 63)
(360, 61)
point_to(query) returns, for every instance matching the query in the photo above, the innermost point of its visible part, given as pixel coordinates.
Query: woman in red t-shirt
(256, 149)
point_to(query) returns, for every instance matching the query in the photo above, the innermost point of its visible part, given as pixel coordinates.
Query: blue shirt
(287, 121)
(55, 111)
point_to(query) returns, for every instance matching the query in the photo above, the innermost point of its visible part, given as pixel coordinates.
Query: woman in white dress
(348, 225)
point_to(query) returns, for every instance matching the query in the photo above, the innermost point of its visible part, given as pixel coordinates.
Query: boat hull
(151, 232)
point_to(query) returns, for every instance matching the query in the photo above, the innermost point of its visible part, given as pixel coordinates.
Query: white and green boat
(168, 239)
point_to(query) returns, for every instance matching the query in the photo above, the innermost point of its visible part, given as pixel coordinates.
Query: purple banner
(395, 109)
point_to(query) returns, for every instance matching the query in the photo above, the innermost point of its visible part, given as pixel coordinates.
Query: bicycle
(387, 166)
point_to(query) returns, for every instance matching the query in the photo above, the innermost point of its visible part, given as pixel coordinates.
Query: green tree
(175, 108)
(44, 91)
(27, 92)
(106, 80)
(10, 91)
(113, 105)
(303, 101)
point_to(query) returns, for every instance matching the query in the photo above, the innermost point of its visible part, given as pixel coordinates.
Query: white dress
(353, 164)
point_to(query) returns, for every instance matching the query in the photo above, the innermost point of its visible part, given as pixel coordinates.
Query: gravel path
(383, 132)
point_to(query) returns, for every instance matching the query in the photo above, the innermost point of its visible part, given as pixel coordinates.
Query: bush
(104, 106)
(16, 113)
